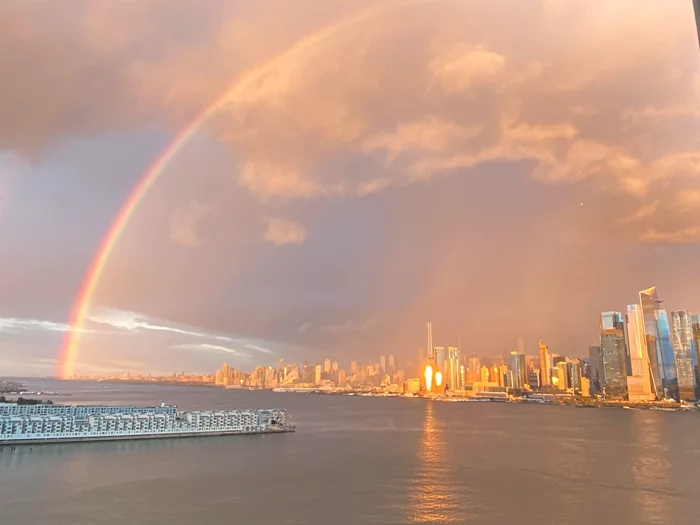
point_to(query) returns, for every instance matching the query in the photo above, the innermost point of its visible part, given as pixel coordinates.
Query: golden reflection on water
(432, 496)
(650, 468)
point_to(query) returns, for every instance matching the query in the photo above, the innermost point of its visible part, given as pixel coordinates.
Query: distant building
(585, 387)
(334, 366)
(341, 378)
(612, 345)
(327, 366)
(392, 364)
(382, 364)
(684, 352)
(533, 379)
(452, 368)
(353, 367)
(545, 365)
(597, 374)
(473, 369)
(518, 369)
(317, 375)
(661, 357)
(639, 380)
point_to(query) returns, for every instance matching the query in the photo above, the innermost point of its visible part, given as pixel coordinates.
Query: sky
(503, 169)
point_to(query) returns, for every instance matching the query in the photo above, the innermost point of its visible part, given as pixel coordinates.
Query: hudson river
(362, 460)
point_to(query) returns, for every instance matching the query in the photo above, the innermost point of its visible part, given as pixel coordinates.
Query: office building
(382, 364)
(596, 376)
(334, 366)
(683, 350)
(452, 369)
(327, 366)
(473, 369)
(439, 357)
(545, 365)
(391, 364)
(660, 349)
(518, 370)
(317, 374)
(612, 345)
(573, 369)
(533, 379)
(640, 386)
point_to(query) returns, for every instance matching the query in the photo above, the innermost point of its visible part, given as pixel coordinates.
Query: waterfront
(365, 460)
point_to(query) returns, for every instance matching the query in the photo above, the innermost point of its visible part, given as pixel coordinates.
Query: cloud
(304, 327)
(185, 222)
(463, 66)
(208, 347)
(647, 210)
(14, 324)
(351, 326)
(283, 231)
(133, 322)
(690, 235)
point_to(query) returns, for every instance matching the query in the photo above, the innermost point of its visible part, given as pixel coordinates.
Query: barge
(34, 424)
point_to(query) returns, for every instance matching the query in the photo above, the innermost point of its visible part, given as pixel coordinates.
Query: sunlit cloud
(14, 324)
(283, 231)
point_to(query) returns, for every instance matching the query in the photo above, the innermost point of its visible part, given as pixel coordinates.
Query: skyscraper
(597, 370)
(518, 368)
(683, 350)
(639, 381)
(696, 344)
(391, 364)
(431, 350)
(473, 368)
(452, 368)
(612, 345)
(317, 374)
(327, 366)
(439, 357)
(657, 330)
(545, 365)
(382, 364)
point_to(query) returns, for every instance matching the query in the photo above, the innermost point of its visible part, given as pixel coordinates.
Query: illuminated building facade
(684, 352)
(658, 333)
(612, 346)
(545, 365)
(639, 380)
(518, 369)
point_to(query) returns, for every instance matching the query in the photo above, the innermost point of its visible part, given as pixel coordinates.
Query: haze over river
(361, 460)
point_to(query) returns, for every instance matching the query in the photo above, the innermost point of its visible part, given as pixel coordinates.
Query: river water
(361, 460)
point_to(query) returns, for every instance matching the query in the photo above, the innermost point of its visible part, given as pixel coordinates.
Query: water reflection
(433, 487)
(650, 469)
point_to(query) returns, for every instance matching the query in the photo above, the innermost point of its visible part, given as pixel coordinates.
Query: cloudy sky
(503, 169)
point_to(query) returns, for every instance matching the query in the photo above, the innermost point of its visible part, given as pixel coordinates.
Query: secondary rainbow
(69, 348)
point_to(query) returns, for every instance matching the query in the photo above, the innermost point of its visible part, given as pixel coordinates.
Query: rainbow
(88, 287)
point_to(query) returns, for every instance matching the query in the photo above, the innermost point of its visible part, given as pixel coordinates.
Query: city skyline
(328, 178)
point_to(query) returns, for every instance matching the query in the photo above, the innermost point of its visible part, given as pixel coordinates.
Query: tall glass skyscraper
(518, 369)
(683, 349)
(658, 333)
(597, 375)
(612, 346)
(639, 379)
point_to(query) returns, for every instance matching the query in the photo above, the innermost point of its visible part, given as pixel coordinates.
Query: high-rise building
(473, 367)
(452, 368)
(334, 366)
(558, 378)
(484, 373)
(660, 349)
(382, 364)
(431, 349)
(545, 365)
(327, 366)
(573, 369)
(533, 379)
(597, 374)
(639, 379)
(683, 349)
(563, 375)
(612, 345)
(696, 346)
(392, 364)
(317, 374)
(518, 368)
(439, 357)
(341, 377)
(353, 367)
